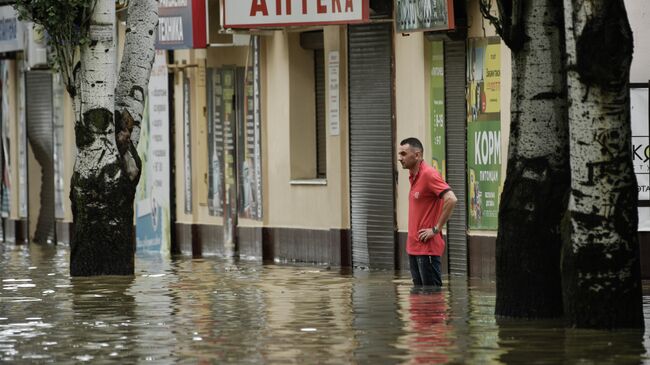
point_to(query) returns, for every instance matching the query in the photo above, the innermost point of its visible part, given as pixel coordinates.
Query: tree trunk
(533, 201)
(107, 168)
(600, 256)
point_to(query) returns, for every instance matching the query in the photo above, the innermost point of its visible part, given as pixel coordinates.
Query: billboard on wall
(181, 24)
(484, 132)
(640, 118)
(153, 224)
(280, 13)
(423, 15)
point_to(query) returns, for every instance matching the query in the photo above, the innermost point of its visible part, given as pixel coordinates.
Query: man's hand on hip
(426, 233)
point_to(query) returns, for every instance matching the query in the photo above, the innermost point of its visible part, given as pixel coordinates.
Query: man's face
(408, 156)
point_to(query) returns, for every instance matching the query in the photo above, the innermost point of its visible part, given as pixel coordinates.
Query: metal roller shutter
(456, 109)
(41, 138)
(371, 146)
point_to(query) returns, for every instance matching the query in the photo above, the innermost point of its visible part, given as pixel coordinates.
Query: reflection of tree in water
(102, 316)
(548, 340)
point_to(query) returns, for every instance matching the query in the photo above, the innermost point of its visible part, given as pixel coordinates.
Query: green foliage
(67, 23)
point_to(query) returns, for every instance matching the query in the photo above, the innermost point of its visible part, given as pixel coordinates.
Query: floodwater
(213, 310)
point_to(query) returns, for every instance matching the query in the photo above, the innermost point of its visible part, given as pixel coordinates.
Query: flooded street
(218, 311)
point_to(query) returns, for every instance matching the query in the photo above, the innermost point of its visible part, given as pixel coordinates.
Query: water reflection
(222, 311)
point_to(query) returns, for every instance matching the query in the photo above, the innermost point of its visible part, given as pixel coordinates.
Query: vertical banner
(257, 115)
(640, 118)
(250, 194)
(215, 145)
(5, 193)
(484, 132)
(333, 62)
(22, 142)
(187, 145)
(437, 104)
(152, 203)
(58, 119)
(228, 75)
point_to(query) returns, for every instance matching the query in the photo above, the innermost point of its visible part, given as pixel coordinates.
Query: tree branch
(486, 10)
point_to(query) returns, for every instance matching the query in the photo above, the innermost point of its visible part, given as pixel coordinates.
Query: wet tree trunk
(107, 168)
(600, 256)
(537, 181)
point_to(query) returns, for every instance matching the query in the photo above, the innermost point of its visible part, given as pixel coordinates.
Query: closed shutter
(456, 109)
(371, 146)
(41, 138)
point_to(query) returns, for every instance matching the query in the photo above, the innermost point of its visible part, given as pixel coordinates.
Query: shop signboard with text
(424, 15)
(181, 24)
(11, 30)
(280, 13)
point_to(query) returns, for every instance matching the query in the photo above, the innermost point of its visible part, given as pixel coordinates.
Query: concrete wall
(299, 202)
(638, 13)
(411, 108)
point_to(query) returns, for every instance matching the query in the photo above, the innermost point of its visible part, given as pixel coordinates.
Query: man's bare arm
(448, 203)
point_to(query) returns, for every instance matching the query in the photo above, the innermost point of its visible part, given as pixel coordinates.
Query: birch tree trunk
(107, 168)
(533, 201)
(600, 256)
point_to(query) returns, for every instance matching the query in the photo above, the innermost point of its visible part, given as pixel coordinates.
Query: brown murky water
(218, 311)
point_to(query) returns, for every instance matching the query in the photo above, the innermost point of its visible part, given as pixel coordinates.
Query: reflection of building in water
(308, 323)
(377, 323)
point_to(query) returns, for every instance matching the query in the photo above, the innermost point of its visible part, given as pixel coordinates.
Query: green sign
(437, 102)
(484, 173)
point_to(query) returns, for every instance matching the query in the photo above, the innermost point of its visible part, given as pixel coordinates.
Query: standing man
(431, 202)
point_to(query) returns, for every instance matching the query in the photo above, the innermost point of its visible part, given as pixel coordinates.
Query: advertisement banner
(437, 103)
(215, 145)
(187, 146)
(58, 121)
(153, 227)
(250, 159)
(5, 193)
(23, 189)
(484, 133)
(423, 15)
(281, 13)
(640, 118)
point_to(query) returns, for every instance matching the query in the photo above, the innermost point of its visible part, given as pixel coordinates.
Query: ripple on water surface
(222, 311)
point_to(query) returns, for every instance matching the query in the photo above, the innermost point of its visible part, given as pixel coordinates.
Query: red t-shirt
(425, 205)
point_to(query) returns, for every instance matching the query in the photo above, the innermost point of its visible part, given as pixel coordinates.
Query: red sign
(280, 13)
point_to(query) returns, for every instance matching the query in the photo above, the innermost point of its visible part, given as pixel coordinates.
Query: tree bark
(535, 192)
(600, 256)
(108, 168)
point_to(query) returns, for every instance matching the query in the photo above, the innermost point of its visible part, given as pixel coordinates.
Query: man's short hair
(413, 142)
